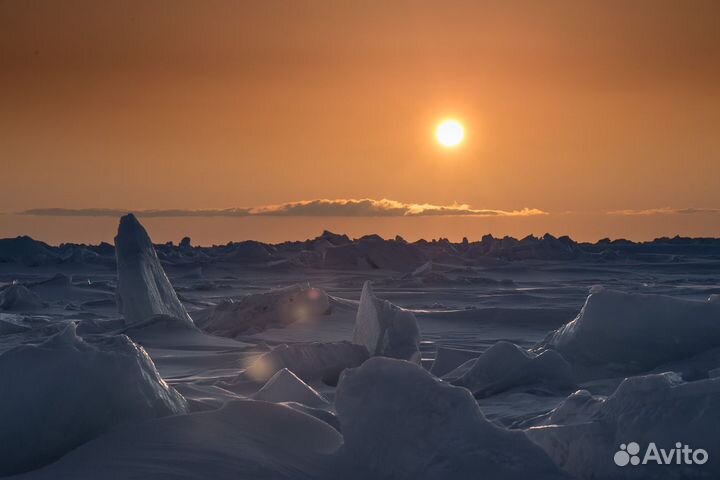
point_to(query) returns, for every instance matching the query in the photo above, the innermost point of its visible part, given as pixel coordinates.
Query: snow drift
(386, 329)
(65, 391)
(244, 439)
(637, 331)
(309, 361)
(505, 366)
(255, 313)
(398, 421)
(59, 289)
(143, 288)
(657, 408)
(11, 324)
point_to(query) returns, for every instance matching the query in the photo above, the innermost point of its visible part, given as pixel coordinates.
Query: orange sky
(582, 107)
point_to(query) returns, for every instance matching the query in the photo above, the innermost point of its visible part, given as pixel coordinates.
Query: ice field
(367, 358)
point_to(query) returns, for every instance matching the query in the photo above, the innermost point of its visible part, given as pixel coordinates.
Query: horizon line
(394, 238)
(350, 207)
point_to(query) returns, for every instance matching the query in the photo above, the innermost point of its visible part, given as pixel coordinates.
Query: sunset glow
(604, 108)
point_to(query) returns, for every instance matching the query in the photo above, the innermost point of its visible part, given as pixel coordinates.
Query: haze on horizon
(604, 116)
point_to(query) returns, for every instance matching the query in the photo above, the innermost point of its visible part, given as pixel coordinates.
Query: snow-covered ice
(386, 329)
(60, 393)
(637, 332)
(658, 408)
(254, 313)
(19, 297)
(309, 361)
(143, 288)
(578, 407)
(448, 359)
(398, 421)
(505, 366)
(241, 440)
(252, 391)
(285, 386)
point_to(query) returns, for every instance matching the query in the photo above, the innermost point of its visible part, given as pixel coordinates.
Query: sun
(450, 133)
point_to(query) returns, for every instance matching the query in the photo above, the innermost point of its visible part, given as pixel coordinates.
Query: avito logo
(629, 454)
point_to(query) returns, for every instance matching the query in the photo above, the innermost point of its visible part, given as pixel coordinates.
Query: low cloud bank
(307, 208)
(350, 207)
(666, 211)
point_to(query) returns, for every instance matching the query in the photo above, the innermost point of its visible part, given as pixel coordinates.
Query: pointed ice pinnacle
(285, 386)
(143, 288)
(386, 329)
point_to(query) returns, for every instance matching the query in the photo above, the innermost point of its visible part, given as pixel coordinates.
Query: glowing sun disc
(450, 133)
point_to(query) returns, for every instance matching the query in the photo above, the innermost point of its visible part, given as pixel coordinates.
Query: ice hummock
(398, 421)
(373, 252)
(505, 366)
(26, 250)
(285, 386)
(657, 408)
(143, 289)
(19, 297)
(448, 359)
(386, 329)
(637, 331)
(254, 313)
(66, 391)
(578, 407)
(309, 361)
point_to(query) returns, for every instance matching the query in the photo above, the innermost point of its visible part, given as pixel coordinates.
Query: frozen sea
(467, 307)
